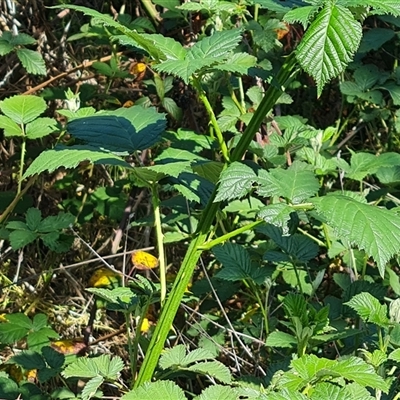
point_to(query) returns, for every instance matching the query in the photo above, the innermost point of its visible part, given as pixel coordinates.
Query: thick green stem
(193, 253)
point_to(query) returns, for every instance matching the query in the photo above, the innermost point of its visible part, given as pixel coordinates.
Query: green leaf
(10, 127)
(33, 218)
(36, 340)
(278, 215)
(371, 228)
(22, 39)
(286, 394)
(23, 109)
(19, 239)
(218, 391)
(174, 356)
(40, 127)
(363, 164)
(293, 184)
(238, 63)
(170, 48)
(16, 327)
(394, 91)
(375, 38)
(166, 390)
(199, 354)
(280, 339)
(172, 108)
(329, 43)
(82, 368)
(5, 43)
(235, 182)
(56, 222)
(91, 387)
(32, 61)
(28, 360)
(214, 369)
(220, 44)
(369, 309)
(300, 15)
(237, 264)
(70, 157)
(54, 358)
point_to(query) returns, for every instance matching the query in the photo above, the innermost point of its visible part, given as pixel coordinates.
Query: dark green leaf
(29, 360)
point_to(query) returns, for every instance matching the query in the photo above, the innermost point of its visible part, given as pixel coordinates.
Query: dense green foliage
(253, 146)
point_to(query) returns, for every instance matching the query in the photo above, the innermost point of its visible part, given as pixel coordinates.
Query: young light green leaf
(109, 367)
(214, 369)
(293, 184)
(91, 388)
(16, 327)
(82, 368)
(371, 228)
(174, 356)
(300, 15)
(10, 127)
(172, 108)
(329, 43)
(40, 127)
(23, 109)
(70, 157)
(325, 390)
(235, 182)
(369, 309)
(218, 392)
(32, 61)
(280, 339)
(379, 7)
(170, 48)
(197, 355)
(166, 390)
(285, 395)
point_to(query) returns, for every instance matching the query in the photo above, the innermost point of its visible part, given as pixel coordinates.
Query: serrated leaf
(91, 387)
(280, 339)
(394, 91)
(16, 328)
(56, 222)
(184, 69)
(214, 369)
(40, 127)
(293, 184)
(371, 228)
(170, 48)
(286, 394)
(172, 108)
(300, 15)
(369, 309)
(36, 340)
(218, 45)
(22, 39)
(5, 45)
(278, 215)
(329, 43)
(32, 61)
(166, 390)
(235, 182)
(174, 356)
(218, 391)
(197, 355)
(82, 368)
(363, 164)
(39, 322)
(19, 239)
(237, 264)
(23, 109)
(10, 127)
(238, 62)
(54, 358)
(29, 360)
(375, 38)
(70, 157)
(33, 218)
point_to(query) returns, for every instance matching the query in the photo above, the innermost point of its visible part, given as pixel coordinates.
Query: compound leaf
(371, 228)
(329, 44)
(23, 109)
